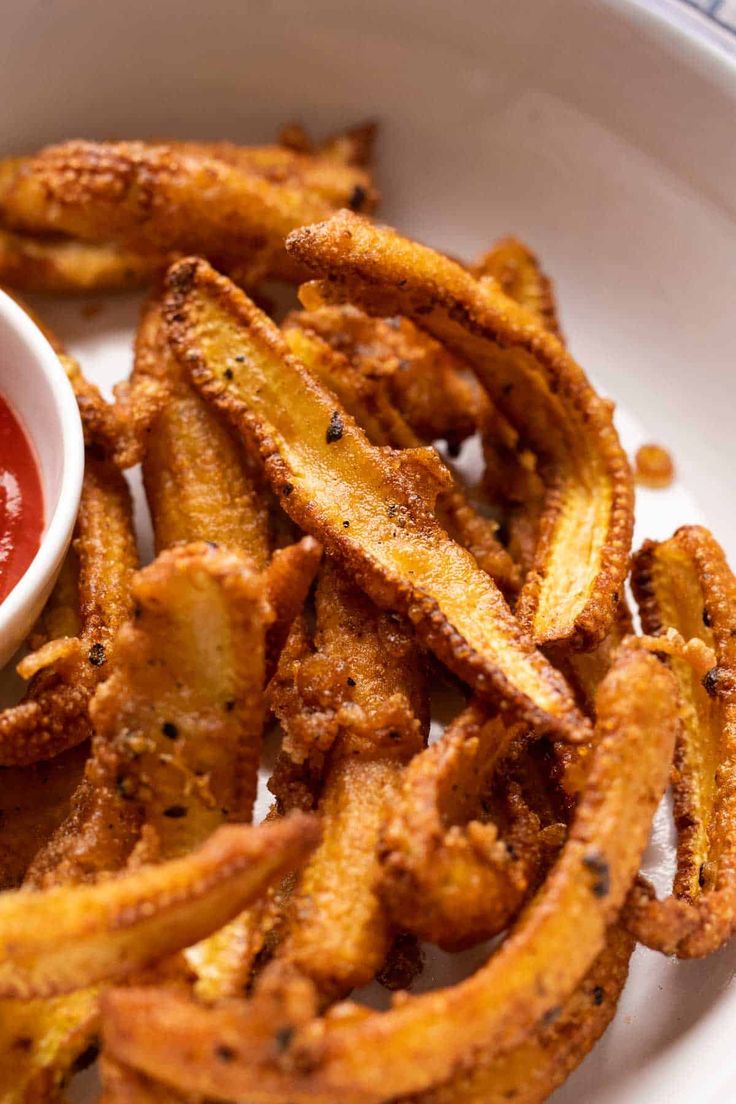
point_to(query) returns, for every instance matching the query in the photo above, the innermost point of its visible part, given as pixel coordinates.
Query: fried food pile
(326, 571)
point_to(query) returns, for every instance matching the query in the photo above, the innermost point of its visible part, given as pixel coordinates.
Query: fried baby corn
(64, 266)
(511, 475)
(373, 699)
(519, 274)
(366, 507)
(414, 372)
(530, 1072)
(195, 473)
(358, 1055)
(685, 584)
(445, 874)
(383, 423)
(66, 671)
(154, 199)
(122, 924)
(188, 757)
(534, 383)
(332, 179)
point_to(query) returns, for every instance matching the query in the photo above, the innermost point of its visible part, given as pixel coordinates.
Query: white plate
(602, 133)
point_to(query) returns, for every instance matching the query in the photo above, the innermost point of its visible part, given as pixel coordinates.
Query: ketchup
(21, 501)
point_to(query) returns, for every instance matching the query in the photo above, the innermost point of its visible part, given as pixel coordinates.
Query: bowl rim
(59, 525)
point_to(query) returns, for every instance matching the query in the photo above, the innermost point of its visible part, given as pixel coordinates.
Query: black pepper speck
(357, 198)
(598, 865)
(175, 812)
(710, 681)
(334, 429)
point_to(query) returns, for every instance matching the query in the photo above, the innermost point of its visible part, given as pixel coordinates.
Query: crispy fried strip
(582, 555)
(520, 276)
(373, 699)
(189, 757)
(385, 425)
(154, 200)
(356, 1055)
(408, 367)
(685, 584)
(120, 925)
(178, 723)
(511, 475)
(367, 508)
(53, 715)
(530, 1072)
(41, 1041)
(445, 875)
(64, 266)
(358, 679)
(263, 1023)
(336, 181)
(196, 479)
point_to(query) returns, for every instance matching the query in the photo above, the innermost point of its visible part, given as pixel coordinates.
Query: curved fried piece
(530, 1072)
(264, 1023)
(519, 274)
(359, 677)
(415, 373)
(336, 181)
(53, 715)
(181, 714)
(195, 472)
(122, 924)
(366, 507)
(42, 1041)
(685, 584)
(356, 1055)
(373, 409)
(445, 875)
(582, 554)
(374, 709)
(511, 475)
(64, 266)
(154, 200)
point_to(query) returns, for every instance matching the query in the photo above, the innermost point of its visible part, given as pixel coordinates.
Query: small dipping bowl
(35, 387)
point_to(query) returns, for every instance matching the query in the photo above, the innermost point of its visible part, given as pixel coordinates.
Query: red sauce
(21, 501)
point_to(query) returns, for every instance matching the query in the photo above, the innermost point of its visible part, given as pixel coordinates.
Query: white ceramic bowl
(602, 131)
(35, 386)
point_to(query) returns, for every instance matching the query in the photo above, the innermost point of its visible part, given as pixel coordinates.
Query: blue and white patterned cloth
(722, 12)
(712, 20)
(715, 19)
